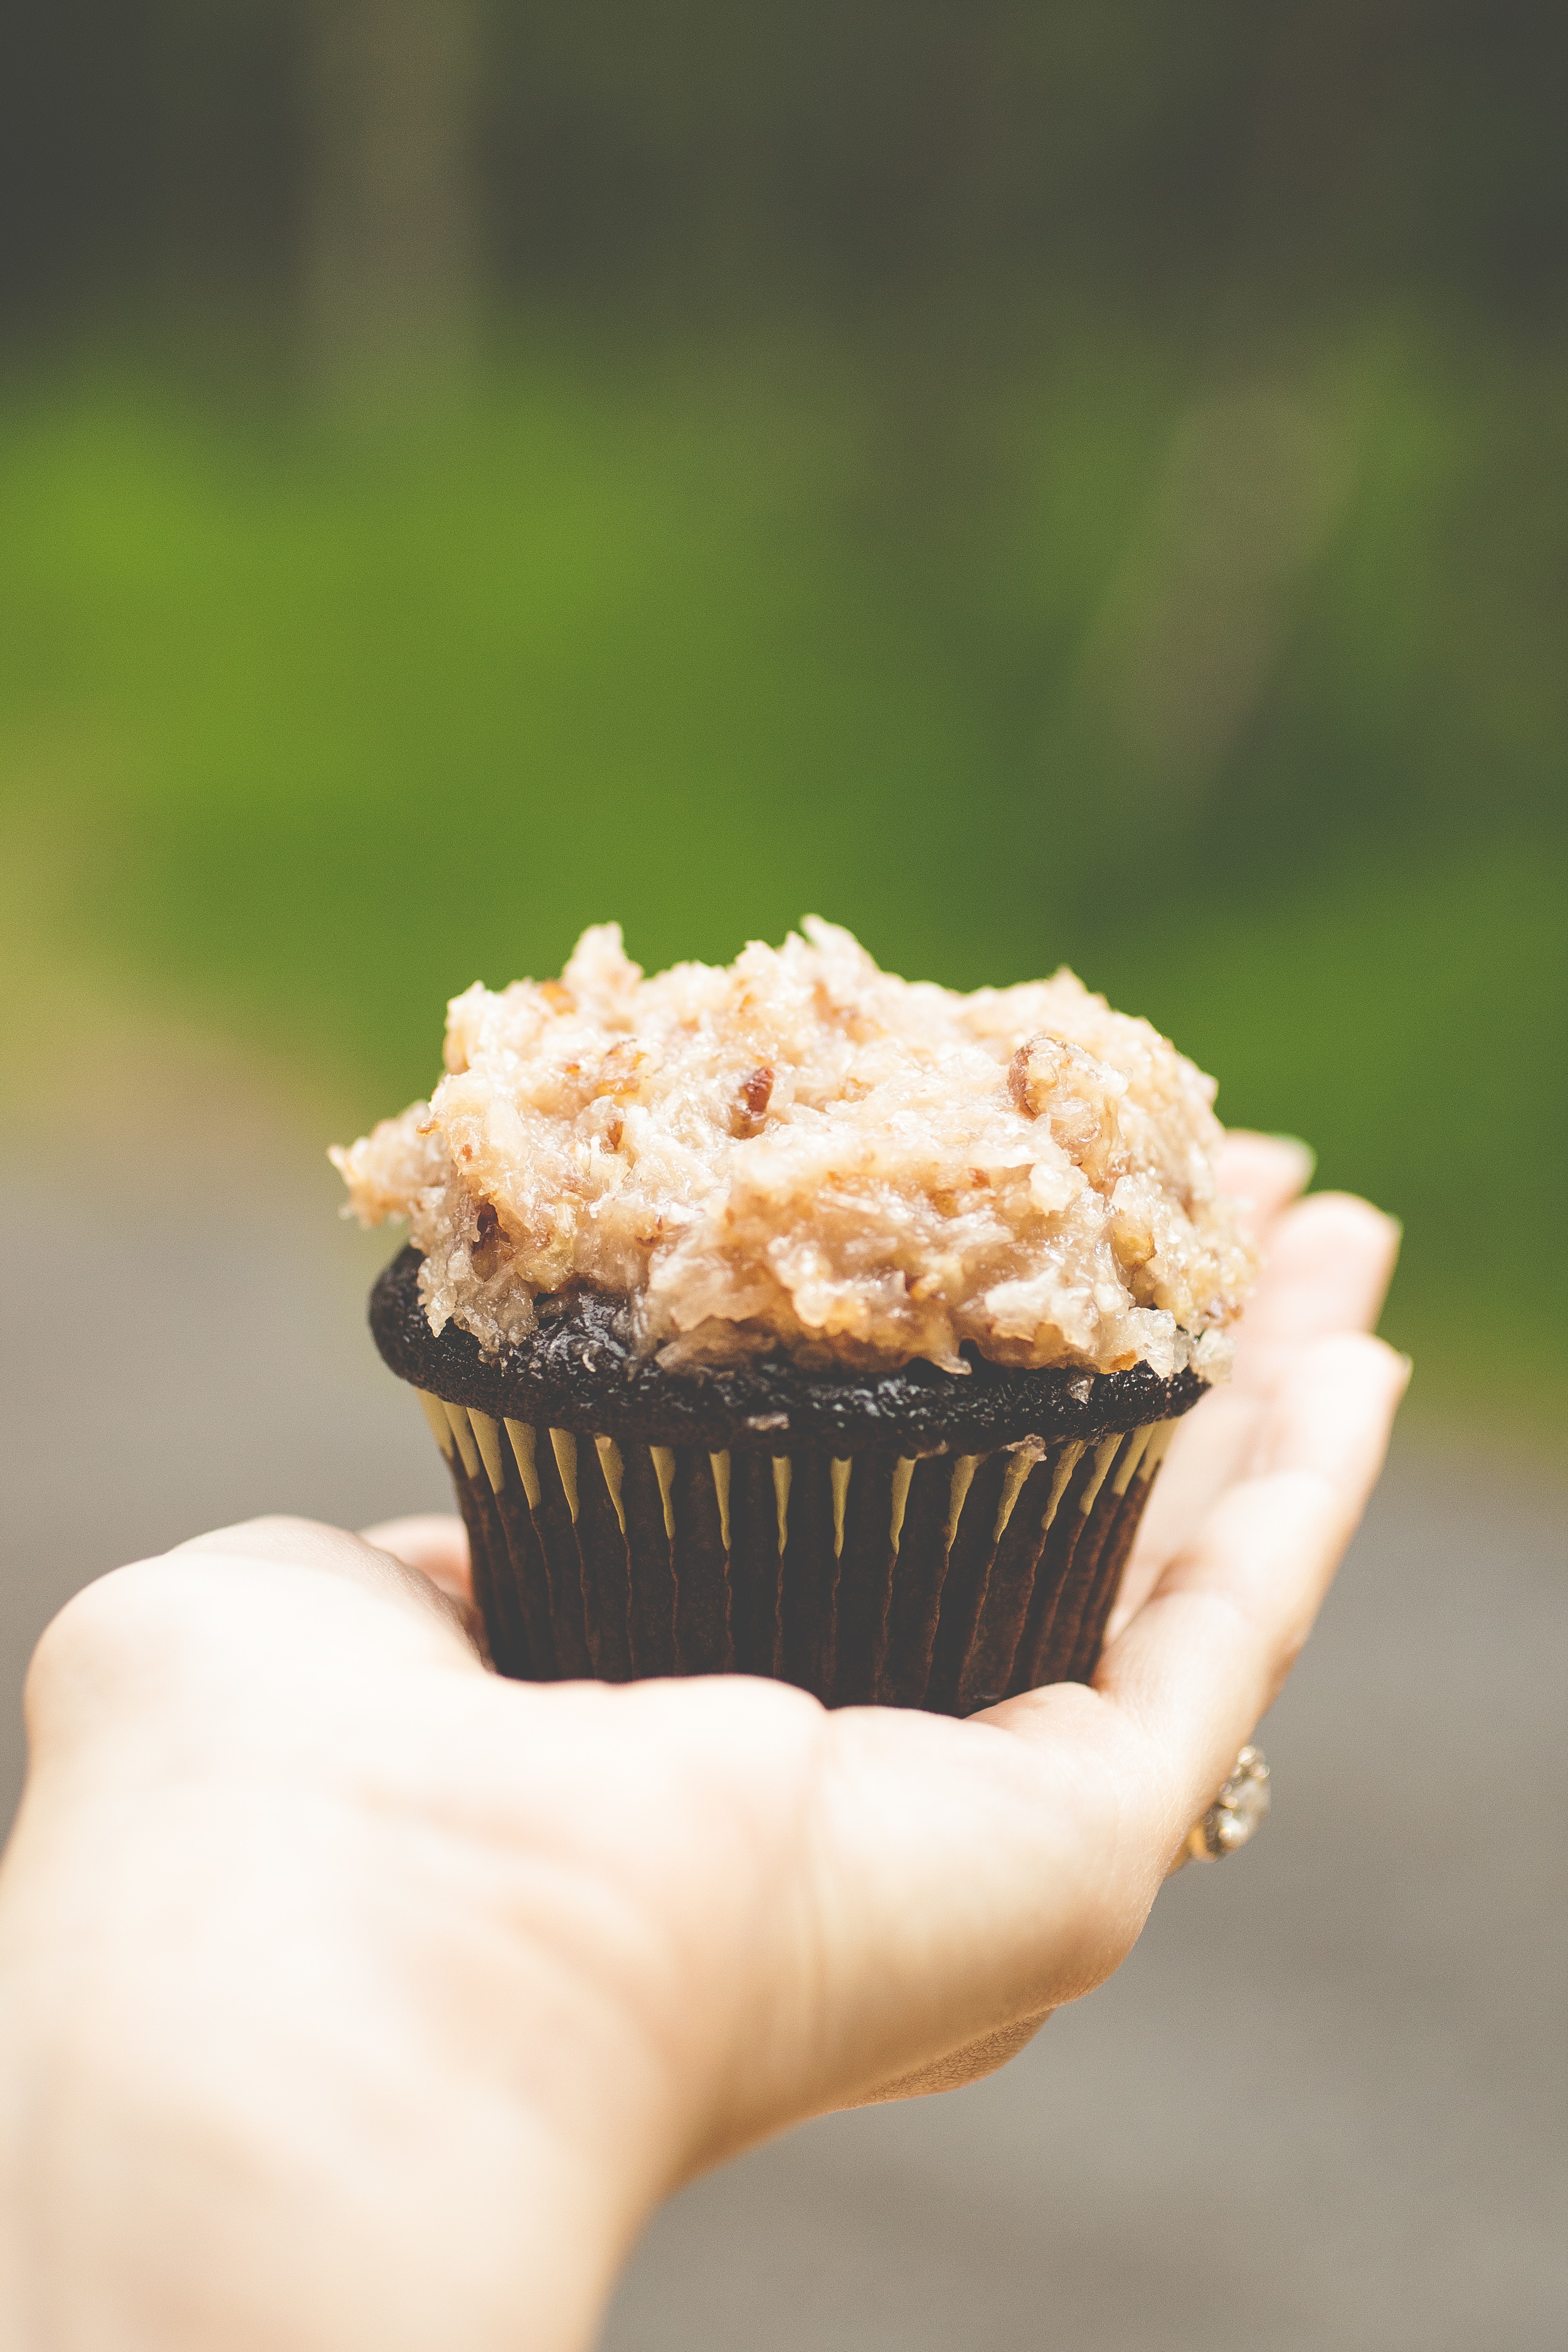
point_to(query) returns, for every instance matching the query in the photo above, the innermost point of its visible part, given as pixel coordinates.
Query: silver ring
(1237, 1814)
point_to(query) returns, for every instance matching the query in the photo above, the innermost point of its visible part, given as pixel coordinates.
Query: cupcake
(793, 1318)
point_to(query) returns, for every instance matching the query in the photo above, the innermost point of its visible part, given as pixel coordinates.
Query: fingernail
(1409, 1364)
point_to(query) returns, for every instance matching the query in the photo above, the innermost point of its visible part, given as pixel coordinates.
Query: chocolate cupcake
(793, 1319)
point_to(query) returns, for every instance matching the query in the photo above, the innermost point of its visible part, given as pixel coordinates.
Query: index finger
(435, 1543)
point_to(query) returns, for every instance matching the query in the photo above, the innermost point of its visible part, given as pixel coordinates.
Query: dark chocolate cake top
(579, 1370)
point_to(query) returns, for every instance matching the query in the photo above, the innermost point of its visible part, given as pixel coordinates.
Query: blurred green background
(1032, 483)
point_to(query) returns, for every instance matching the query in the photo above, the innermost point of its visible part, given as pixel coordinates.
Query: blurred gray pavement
(1325, 2104)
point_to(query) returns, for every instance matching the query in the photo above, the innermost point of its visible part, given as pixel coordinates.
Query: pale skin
(352, 1997)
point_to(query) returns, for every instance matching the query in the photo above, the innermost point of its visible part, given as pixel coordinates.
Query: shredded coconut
(802, 1152)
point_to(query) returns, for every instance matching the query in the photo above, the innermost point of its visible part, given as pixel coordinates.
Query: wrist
(240, 2103)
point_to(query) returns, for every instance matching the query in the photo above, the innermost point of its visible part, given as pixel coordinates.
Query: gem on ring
(1236, 1813)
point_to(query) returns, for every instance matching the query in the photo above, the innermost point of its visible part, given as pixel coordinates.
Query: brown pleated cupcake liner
(944, 1583)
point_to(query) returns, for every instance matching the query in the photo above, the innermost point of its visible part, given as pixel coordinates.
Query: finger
(435, 1543)
(1206, 1656)
(228, 1613)
(1264, 1172)
(1328, 1271)
(377, 1566)
(1329, 1268)
(286, 1542)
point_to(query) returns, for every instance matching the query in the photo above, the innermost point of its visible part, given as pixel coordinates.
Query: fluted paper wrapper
(945, 1582)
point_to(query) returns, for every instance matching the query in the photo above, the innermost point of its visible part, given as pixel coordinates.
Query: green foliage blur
(1211, 640)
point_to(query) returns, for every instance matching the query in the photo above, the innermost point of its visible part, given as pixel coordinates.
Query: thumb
(240, 1622)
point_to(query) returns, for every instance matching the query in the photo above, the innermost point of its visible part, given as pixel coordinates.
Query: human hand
(351, 1997)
